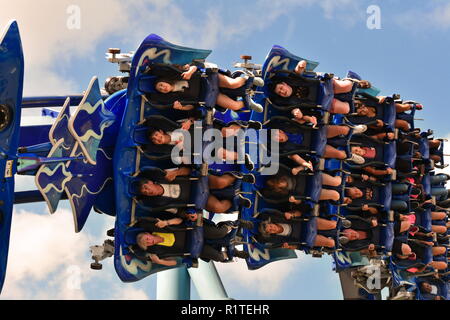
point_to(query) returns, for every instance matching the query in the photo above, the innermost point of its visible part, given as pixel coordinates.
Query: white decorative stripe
(275, 62)
(72, 204)
(71, 196)
(104, 153)
(134, 264)
(44, 195)
(91, 133)
(50, 173)
(152, 54)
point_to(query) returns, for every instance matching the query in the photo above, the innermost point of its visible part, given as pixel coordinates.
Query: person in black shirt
(187, 87)
(284, 186)
(281, 228)
(286, 89)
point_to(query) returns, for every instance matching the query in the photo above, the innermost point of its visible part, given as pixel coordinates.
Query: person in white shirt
(168, 191)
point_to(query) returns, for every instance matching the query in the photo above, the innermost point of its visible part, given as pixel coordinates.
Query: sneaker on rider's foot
(346, 223)
(258, 82)
(255, 106)
(360, 129)
(343, 240)
(356, 159)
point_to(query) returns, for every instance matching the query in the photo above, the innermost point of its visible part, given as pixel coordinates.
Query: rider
(187, 87)
(159, 239)
(292, 87)
(167, 190)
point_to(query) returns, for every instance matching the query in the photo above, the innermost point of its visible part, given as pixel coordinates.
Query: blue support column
(173, 284)
(207, 281)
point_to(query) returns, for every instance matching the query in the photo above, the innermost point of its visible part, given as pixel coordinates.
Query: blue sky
(408, 55)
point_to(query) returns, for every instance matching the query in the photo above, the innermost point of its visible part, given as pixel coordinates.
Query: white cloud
(40, 80)
(47, 260)
(45, 253)
(130, 294)
(267, 281)
(45, 33)
(50, 46)
(332, 7)
(247, 20)
(441, 16)
(437, 18)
